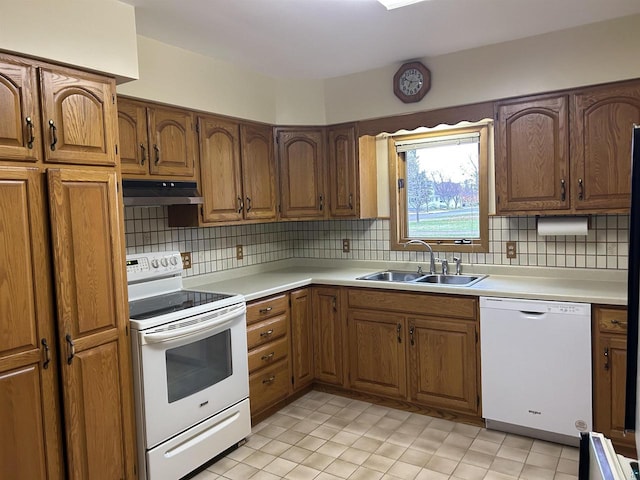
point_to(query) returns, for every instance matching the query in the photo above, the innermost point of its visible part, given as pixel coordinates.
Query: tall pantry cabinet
(65, 383)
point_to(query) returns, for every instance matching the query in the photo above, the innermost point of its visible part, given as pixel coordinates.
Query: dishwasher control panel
(536, 306)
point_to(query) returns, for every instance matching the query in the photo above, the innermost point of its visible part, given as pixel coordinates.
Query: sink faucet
(458, 265)
(445, 266)
(432, 260)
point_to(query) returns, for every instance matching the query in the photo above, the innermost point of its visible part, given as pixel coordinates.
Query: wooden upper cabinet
(29, 410)
(20, 136)
(134, 145)
(220, 175)
(343, 165)
(258, 172)
(352, 169)
(171, 141)
(156, 141)
(302, 173)
(532, 157)
(601, 131)
(92, 323)
(79, 116)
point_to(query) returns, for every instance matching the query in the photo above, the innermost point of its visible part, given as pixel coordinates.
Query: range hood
(159, 192)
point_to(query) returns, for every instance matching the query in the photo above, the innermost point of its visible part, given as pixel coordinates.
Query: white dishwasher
(536, 367)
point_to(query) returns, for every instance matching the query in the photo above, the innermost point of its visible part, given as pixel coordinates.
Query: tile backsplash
(214, 248)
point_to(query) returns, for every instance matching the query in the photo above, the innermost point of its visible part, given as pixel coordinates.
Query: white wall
(94, 34)
(597, 53)
(179, 77)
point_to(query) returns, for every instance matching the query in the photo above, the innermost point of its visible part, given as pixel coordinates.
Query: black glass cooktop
(171, 302)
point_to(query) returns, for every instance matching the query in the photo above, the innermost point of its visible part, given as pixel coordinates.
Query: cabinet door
(172, 142)
(79, 114)
(377, 352)
(601, 123)
(20, 136)
(532, 158)
(301, 338)
(301, 157)
(443, 368)
(220, 177)
(132, 129)
(29, 419)
(258, 172)
(610, 369)
(343, 172)
(92, 323)
(327, 335)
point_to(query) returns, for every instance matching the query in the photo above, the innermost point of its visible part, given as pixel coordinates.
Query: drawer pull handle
(32, 135)
(265, 310)
(411, 330)
(606, 358)
(269, 380)
(157, 150)
(54, 135)
(563, 190)
(47, 353)
(615, 321)
(143, 154)
(267, 333)
(580, 189)
(268, 357)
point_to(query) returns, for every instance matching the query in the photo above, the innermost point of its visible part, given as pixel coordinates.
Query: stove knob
(164, 262)
(173, 261)
(154, 263)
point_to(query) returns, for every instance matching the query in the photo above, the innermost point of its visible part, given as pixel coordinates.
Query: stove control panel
(147, 266)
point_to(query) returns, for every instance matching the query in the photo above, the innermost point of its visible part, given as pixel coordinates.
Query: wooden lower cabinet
(30, 418)
(268, 343)
(417, 347)
(377, 352)
(301, 338)
(609, 375)
(443, 364)
(328, 335)
(65, 371)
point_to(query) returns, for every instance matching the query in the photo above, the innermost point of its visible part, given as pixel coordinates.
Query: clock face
(411, 81)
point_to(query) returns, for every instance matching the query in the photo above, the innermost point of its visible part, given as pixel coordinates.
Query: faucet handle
(445, 265)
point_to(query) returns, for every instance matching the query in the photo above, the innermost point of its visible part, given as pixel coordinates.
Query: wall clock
(411, 82)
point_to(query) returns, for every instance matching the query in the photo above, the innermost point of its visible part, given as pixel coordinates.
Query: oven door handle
(214, 323)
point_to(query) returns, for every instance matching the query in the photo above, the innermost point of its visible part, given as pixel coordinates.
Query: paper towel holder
(577, 225)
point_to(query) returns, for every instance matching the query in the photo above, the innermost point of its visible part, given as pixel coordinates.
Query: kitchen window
(439, 189)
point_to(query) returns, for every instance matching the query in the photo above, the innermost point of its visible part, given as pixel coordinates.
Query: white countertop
(560, 284)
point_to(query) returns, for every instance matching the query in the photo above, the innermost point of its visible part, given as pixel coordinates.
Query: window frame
(398, 207)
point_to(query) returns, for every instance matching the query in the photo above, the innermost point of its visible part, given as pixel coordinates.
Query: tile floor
(326, 437)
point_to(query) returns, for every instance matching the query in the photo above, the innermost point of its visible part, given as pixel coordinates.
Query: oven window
(198, 365)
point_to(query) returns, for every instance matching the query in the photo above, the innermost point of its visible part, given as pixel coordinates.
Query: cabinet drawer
(268, 308)
(265, 331)
(613, 320)
(425, 304)
(268, 354)
(268, 386)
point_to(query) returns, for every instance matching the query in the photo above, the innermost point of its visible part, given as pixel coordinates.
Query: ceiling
(318, 39)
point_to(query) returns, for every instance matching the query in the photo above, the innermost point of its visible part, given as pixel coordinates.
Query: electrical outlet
(346, 245)
(239, 254)
(186, 260)
(511, 250)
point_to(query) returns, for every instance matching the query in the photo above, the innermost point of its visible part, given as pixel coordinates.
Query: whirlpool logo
(535, 412)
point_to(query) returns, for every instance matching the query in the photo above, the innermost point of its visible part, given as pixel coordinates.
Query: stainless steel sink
(415, 277)
(462, 280)
(392, 276)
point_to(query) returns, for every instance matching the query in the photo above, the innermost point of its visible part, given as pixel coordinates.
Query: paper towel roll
(562, 225)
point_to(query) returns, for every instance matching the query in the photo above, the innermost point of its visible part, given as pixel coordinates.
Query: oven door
(192, 369)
